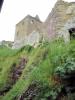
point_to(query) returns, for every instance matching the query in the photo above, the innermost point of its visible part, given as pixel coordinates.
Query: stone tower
(28, 31)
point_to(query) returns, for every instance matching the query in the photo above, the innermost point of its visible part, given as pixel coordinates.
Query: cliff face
(31, 30)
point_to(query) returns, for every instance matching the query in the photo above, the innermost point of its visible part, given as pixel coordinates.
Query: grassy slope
(40, 67)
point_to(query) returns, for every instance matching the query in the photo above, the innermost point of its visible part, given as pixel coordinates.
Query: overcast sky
(15, 10)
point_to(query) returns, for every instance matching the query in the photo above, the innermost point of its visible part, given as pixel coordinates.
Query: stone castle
(59, 23)
(28, 31)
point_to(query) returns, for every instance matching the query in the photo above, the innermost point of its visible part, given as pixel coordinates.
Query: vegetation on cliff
(36, 73)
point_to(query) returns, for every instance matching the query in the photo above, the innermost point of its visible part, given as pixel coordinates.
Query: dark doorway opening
(72, 33)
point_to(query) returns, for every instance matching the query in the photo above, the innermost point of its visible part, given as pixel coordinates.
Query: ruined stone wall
(31, 29)
(28, 31)
(61, 13)
(64, 32)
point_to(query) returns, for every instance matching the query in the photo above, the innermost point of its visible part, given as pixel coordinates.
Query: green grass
(5, 51)
(40, 68)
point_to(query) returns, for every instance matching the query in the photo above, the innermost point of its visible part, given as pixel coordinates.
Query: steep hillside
(37, 73)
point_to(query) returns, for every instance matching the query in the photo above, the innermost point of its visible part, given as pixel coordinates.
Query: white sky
(15, 10)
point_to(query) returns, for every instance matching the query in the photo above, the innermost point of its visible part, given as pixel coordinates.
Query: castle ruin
(58, 24)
